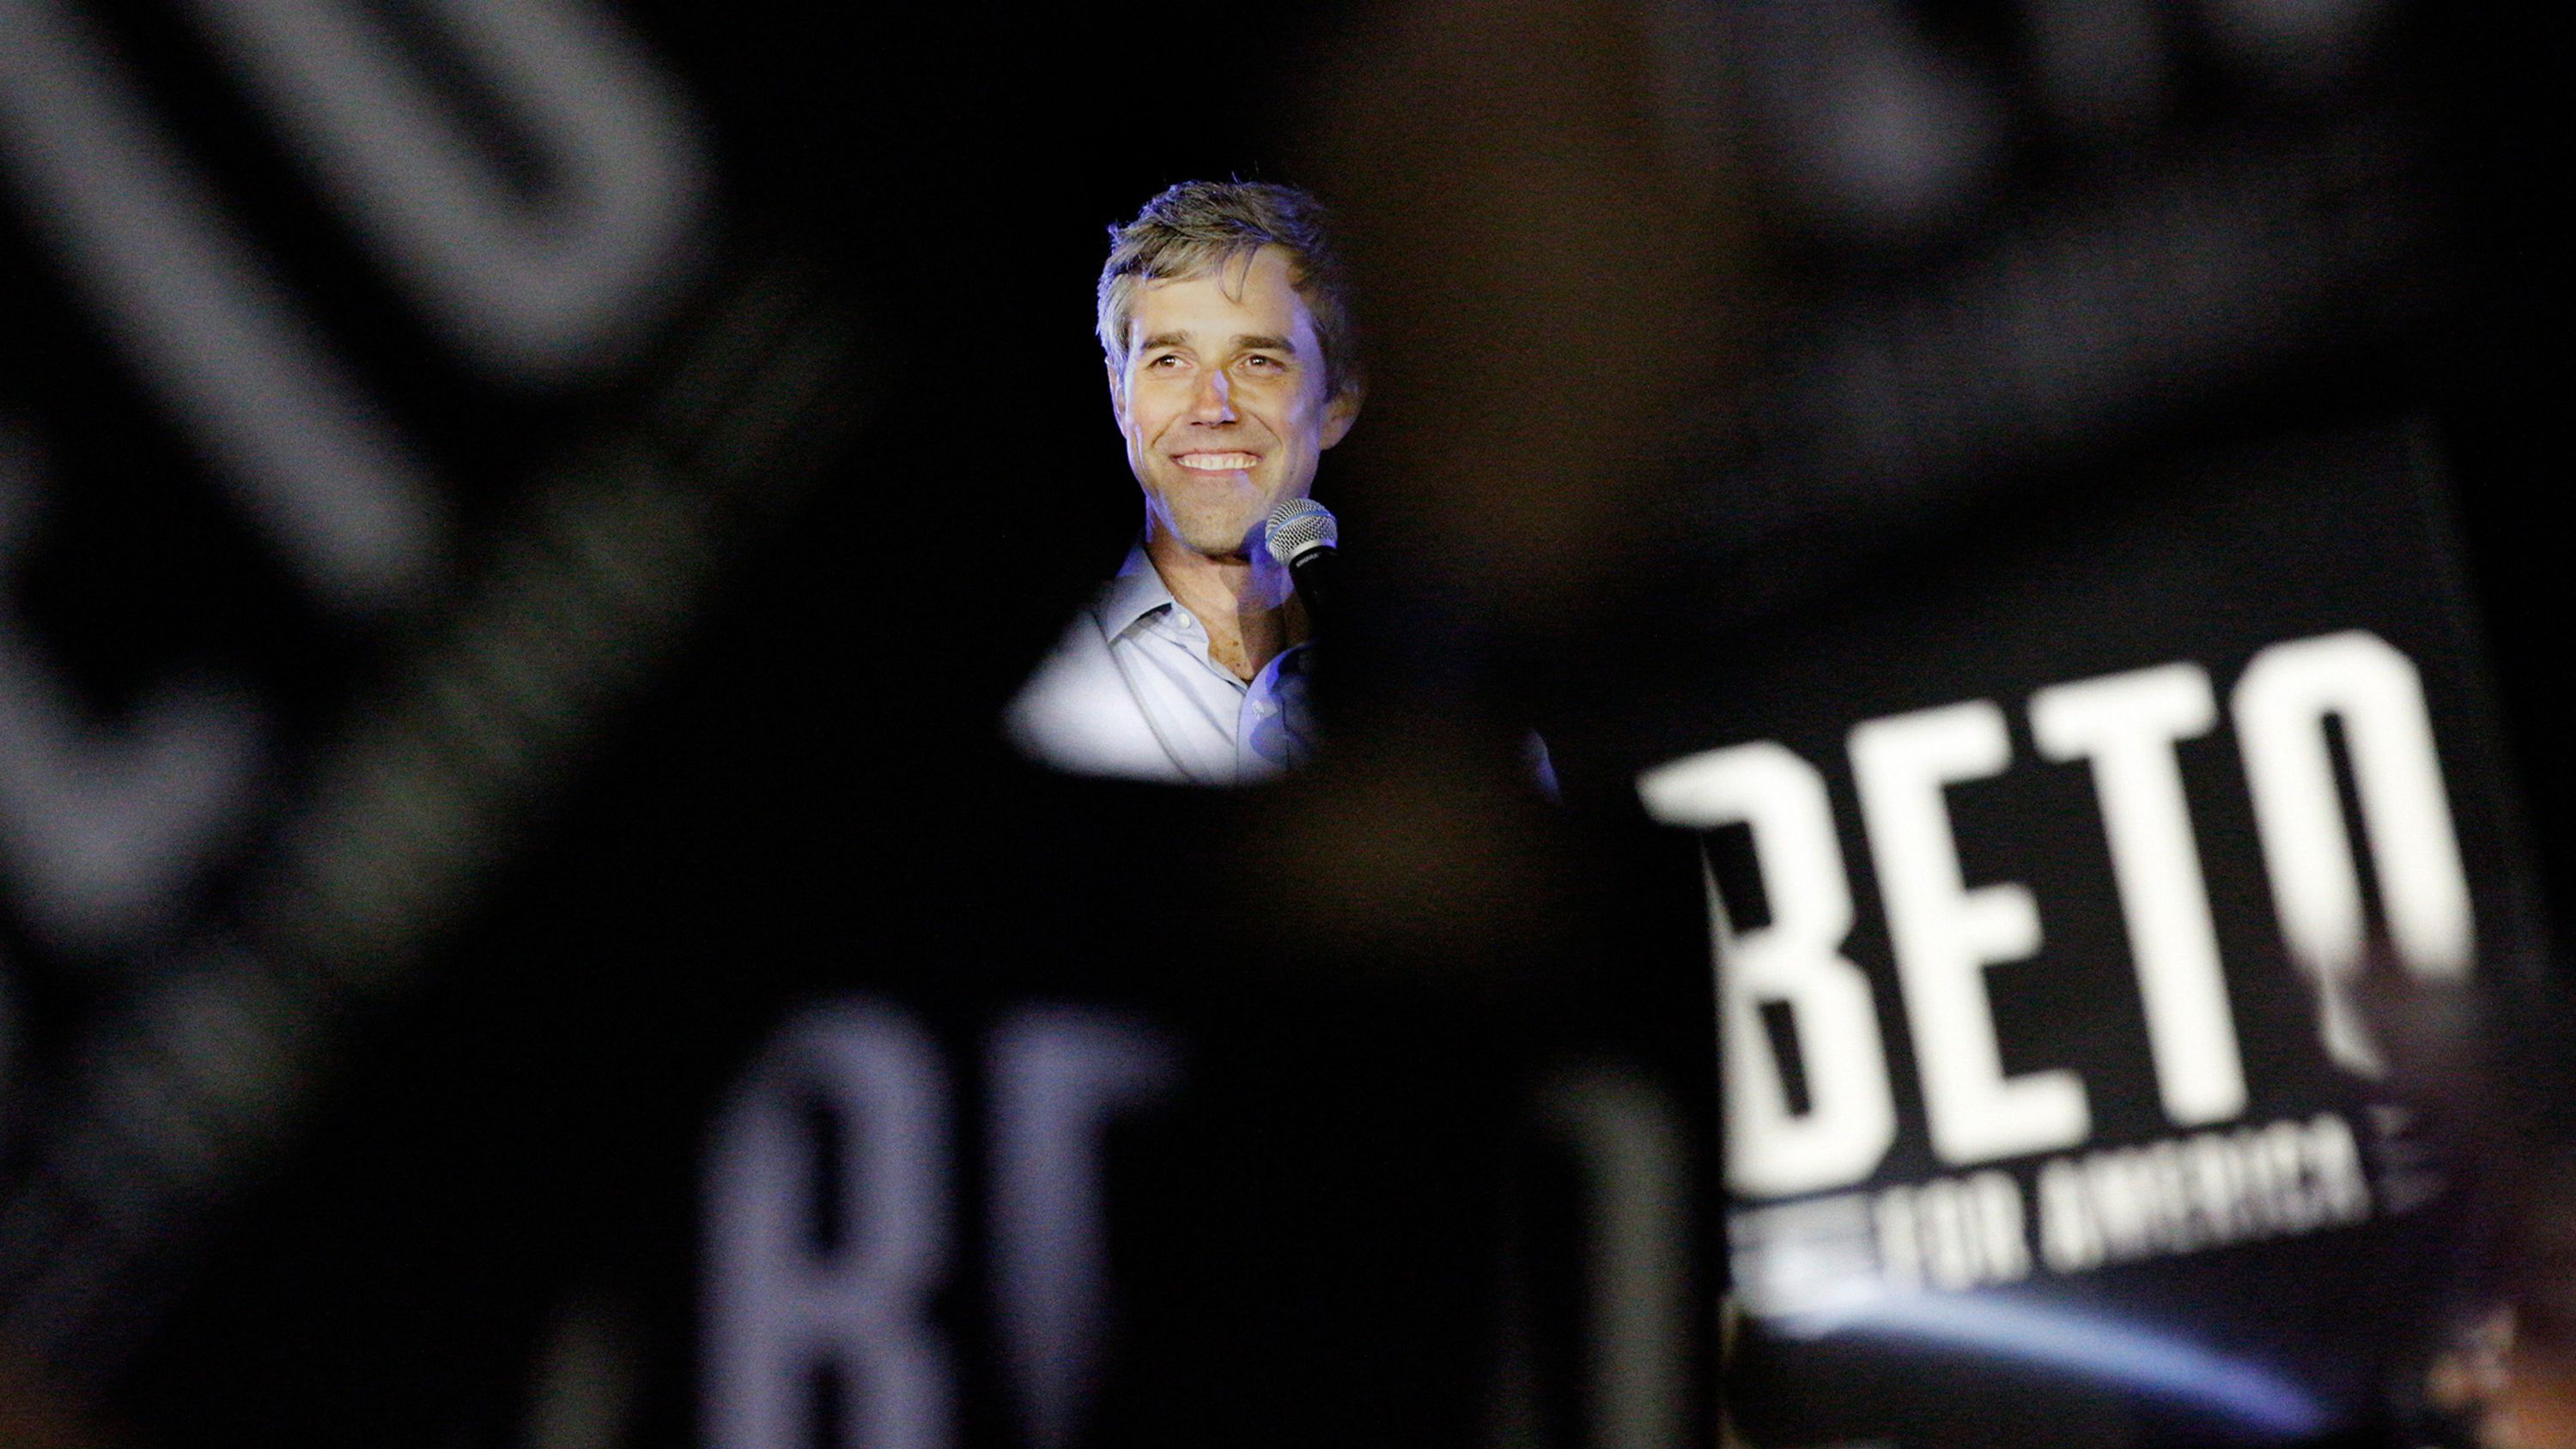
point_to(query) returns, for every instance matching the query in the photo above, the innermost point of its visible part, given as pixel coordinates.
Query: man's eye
(1165, 363)
(1259, 362)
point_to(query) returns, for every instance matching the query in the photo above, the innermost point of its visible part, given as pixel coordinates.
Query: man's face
(1222, 402)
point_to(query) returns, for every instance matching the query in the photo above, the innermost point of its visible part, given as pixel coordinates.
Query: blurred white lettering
(203, 321)
(806, 1275)
(1795, 960)
(2281, 707)
(1058, 1075)
(1946, 935)
(1952, 1233)
(1891, 132)
(531, 289)
(2209, 1190)
(102, 828)
(777, 1308)
(2126, 725)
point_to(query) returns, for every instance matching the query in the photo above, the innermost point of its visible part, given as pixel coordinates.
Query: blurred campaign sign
(382, 398)
(2051, 879)
(2068, 672)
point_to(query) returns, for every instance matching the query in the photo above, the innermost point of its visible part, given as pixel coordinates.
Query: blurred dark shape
(1551, 289)
(32, 1416)
(2490, 1065)
(1893, 136)
(1422, 847)
(1550, 286)
(2508, 1386)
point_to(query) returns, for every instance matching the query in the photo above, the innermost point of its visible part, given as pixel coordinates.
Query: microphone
(1302, 536)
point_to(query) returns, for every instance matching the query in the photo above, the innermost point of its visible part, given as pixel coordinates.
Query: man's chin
(1230, 537)
(1221, 546)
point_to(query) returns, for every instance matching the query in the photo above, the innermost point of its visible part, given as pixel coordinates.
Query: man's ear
(1117, 394)
(1339, 414)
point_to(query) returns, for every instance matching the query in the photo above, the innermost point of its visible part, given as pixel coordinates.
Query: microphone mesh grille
(1299, 527)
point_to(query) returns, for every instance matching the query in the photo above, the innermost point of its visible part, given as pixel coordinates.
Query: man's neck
(1249, 613)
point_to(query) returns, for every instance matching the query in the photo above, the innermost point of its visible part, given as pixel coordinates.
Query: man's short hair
(1198, 226)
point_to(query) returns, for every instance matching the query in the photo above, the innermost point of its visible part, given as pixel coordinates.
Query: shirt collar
(1137, 591)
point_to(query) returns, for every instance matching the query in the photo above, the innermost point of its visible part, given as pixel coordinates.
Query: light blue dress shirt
(1130, 692)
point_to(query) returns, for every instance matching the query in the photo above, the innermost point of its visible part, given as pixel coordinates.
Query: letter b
(1795, 960)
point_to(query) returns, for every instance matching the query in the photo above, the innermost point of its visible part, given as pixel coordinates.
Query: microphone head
(1298, 528)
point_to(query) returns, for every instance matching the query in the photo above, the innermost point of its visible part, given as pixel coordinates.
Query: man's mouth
(1217, 462)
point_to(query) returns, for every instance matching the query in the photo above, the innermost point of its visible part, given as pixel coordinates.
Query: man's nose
(1214, 401)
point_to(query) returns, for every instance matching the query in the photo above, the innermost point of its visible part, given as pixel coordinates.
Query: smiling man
(1227, 333)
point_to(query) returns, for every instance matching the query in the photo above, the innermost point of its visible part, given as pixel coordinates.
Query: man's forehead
(1226, 300)
(1232, 269)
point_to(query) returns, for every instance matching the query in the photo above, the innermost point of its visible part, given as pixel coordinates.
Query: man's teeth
(1214, 461)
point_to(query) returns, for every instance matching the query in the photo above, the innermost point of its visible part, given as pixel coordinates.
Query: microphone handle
(1309, 574)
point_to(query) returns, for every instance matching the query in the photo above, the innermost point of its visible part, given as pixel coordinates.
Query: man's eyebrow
(1265, 343)
(1164, 339)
